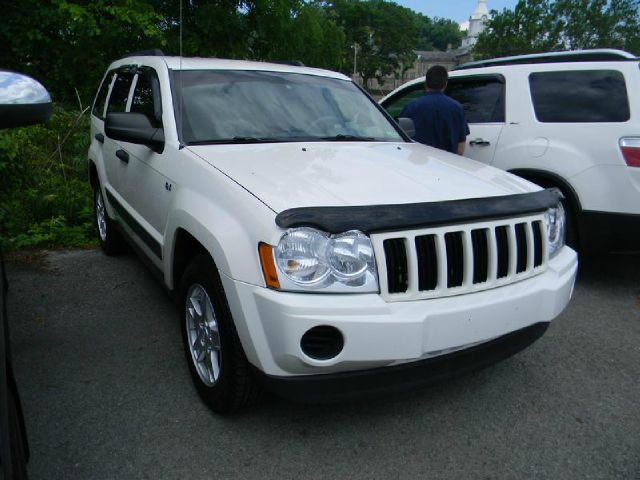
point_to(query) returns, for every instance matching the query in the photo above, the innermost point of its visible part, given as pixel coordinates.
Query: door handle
(99, 137)
(122, 155)
(480, 142)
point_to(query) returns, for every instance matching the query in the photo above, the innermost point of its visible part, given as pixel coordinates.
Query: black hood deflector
(407, 216)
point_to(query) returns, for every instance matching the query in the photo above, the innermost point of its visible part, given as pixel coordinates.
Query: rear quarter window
(98, 104)
(579, 96)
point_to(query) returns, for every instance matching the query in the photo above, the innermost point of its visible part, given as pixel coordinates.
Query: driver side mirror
(23, 101)
(408, 126)
(134, 127)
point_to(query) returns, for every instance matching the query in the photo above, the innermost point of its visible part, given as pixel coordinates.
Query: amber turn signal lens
(268, 265)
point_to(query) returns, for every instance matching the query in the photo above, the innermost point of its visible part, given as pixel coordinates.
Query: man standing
(440, 121)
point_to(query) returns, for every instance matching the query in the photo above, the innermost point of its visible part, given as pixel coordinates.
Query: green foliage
(541, 26)
(67, 45)
(384, 34)
(437, 33)
(46, 198)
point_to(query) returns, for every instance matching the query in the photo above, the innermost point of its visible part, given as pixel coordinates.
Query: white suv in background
(314, 248)
(569, 120)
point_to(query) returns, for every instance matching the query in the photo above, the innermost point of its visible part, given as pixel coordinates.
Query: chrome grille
(457, 259)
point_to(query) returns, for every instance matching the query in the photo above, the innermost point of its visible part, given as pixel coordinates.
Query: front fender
(229, 227)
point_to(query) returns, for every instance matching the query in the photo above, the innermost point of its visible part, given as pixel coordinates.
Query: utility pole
(355, 47)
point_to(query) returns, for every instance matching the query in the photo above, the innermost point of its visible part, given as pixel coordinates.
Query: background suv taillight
(630, 147)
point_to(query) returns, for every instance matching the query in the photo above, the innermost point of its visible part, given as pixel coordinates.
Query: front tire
(216, 360)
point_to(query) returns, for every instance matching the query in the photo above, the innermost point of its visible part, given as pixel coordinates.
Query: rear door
(113, 154)
(483, 99)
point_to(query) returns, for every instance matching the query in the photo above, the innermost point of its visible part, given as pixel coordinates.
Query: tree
(599, 23)
(437, 33)
(530, 27)
(384, 33)
(540, 26)
(255, 29)
(68, 45)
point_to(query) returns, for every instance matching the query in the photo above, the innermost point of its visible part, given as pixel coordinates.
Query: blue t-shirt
(440, 121)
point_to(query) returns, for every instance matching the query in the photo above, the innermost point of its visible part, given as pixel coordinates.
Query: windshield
(222, 106)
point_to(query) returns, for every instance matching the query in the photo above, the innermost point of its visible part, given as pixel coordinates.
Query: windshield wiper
(342, 137)
(238, 139)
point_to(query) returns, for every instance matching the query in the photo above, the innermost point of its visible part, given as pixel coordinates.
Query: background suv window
(579, 96)
(146, 96)
(395, 104)
(120, 91)
(481, 97)
(98, 105)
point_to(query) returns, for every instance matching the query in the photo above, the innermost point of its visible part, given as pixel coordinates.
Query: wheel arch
(549, 179)
(185, 248)
(94, 180)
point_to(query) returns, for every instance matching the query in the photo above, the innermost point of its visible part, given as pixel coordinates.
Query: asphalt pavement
(107, 393)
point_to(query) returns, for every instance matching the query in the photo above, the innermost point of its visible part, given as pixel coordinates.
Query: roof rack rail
(292, 63)
(596, 55)
(154, 52)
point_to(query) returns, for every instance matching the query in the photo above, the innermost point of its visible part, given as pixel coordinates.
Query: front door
(482, 97)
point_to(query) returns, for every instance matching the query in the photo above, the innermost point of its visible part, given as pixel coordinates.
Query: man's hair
(436, 78)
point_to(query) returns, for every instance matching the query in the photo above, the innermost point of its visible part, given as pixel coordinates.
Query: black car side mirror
(407, 125)
(134, 127)
(23, 101)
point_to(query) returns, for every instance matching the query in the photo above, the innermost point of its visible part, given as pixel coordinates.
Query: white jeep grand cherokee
(315, 249)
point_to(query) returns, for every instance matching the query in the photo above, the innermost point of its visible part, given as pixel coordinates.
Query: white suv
(315, 249)
(569, 120)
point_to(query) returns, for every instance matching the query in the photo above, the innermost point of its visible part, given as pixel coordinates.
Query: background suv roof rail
(155, 52)
(596, 55)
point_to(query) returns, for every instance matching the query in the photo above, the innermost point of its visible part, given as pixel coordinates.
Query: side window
(396, 103)
(98, 104)
(146, 96)
(481, 97)
(120, 91)
(579, 96)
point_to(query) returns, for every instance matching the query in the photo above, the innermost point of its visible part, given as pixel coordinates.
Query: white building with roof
(476, 24)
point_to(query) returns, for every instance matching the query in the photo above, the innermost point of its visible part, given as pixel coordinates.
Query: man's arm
(465, 129)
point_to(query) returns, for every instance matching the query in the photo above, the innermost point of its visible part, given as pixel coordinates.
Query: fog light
(322, 342)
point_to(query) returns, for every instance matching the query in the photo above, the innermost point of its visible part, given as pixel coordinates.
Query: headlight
(309, 259)
(555, 220)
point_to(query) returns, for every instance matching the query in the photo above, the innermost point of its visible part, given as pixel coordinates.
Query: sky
(458, 10)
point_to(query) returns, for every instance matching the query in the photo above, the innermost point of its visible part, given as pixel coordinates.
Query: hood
(288, 175)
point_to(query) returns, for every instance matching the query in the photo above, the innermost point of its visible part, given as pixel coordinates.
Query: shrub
(45, 197)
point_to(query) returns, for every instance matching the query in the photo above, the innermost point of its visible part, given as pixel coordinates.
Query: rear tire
(216, 359)
(111, 240)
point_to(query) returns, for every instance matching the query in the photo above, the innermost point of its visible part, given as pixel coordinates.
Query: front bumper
(379, 334)
(408, 376)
